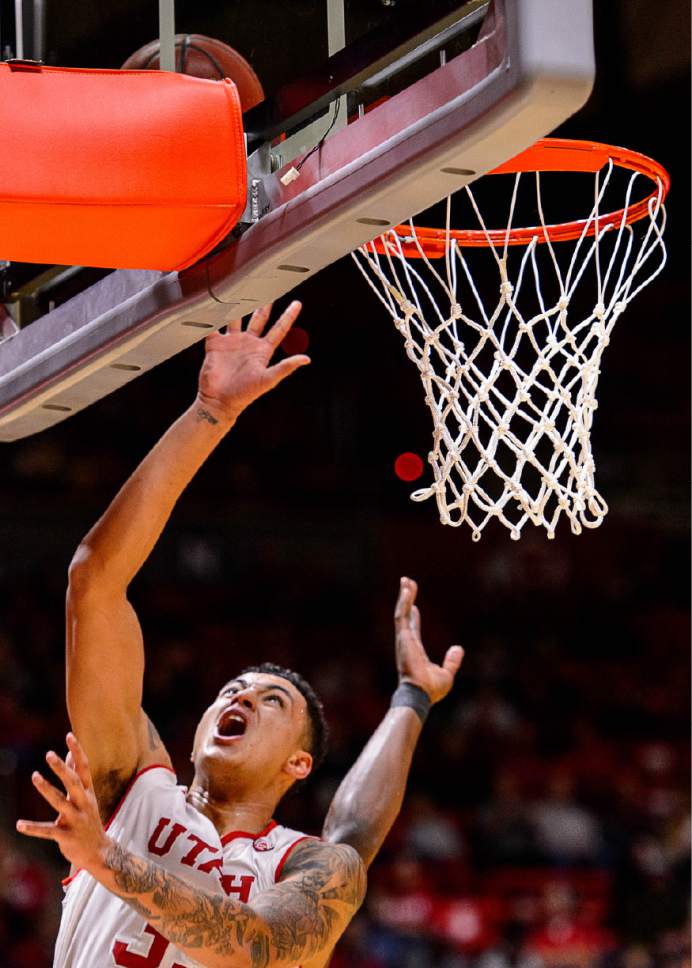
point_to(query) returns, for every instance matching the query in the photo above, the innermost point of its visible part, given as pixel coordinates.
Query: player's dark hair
(318, 733)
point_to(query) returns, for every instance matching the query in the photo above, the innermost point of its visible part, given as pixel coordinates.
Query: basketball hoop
(511, 384)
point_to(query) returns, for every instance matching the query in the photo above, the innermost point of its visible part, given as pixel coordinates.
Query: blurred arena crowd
(547, 819)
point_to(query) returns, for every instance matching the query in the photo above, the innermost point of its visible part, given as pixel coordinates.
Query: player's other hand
(236, 368)
(77, 829)
(412, 660)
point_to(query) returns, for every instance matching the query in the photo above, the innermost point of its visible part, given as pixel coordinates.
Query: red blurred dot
(408, 467)
(295, 341)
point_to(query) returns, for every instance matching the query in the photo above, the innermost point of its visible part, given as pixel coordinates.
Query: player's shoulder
(323, 864)
(313, 851)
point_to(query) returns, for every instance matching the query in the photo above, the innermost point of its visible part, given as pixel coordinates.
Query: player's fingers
(44, 830)
(51, 794)
(214, 341)
(281, 370)
(287, 318)
(407, 596)
(415, 620)
(258, 320)
(409, 586)
(77, 760)
(453, 659)
(69, 778)
(403, 607)
(234, 325)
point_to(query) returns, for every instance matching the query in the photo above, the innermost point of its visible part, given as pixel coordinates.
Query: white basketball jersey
(154, 820)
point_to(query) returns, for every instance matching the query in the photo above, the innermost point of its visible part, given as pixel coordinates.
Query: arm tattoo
(321, 889)
(203, 414)
(187, 917)
(302, 916)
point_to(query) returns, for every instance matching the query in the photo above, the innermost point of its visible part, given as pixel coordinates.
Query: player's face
(257, 726)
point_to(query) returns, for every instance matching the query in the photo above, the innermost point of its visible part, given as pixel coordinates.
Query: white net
(510, 379)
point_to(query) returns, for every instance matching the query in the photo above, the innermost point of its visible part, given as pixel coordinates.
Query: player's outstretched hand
(77, 830)
(236, 367)
(411, 658)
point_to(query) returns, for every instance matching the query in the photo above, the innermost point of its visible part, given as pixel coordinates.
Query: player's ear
(299, 765)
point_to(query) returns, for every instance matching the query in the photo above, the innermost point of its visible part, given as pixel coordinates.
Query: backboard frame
(531, 68)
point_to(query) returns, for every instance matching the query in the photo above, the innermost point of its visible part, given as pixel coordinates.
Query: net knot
(506, 288)
(599, 331)
(455, 311)
(407, 308)
(599, 311)
(563, 303)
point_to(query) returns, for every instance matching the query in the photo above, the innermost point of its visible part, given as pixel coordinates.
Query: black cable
(322, 139)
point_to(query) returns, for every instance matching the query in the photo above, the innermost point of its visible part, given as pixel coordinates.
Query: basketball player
(164, 877)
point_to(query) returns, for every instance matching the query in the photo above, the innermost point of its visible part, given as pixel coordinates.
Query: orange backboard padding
(117, 169)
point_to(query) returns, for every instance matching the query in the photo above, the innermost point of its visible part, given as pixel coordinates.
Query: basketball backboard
(429, 100)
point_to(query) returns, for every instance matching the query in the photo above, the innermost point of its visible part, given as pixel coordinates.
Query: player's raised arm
(105, 655)
(369, 798)
(298, 921)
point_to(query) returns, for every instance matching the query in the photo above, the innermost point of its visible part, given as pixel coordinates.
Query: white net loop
(512, 390)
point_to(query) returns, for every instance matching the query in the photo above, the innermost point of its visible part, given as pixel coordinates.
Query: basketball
(206, 57)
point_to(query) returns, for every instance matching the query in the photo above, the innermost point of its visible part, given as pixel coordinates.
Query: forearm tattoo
(323, 888)
(299, 918)
(203, 414)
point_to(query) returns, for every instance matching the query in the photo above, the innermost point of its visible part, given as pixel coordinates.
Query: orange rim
(548, 154)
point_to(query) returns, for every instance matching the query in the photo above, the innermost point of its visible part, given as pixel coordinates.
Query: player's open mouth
(231, 726)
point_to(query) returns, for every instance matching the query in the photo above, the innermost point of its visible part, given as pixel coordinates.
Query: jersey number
(130, 959)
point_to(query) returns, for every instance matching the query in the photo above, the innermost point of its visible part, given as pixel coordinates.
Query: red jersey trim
(155, 766)
(232, 834)
(287, 854)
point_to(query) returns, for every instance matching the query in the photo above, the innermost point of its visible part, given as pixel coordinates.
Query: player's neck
(249, 813)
